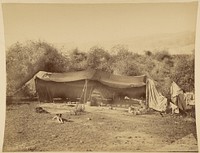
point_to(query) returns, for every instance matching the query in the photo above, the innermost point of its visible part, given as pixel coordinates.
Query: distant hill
(175, 43)
(178, 43)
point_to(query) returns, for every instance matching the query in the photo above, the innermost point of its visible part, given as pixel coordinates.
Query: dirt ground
(96, 129)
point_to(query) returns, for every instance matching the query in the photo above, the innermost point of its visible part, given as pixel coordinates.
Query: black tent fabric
(71, 85)
(96, 75)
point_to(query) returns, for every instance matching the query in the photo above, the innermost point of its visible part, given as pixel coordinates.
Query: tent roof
(95, 75)
(65, 77)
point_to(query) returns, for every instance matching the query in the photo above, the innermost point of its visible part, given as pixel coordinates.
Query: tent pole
(85, 92)
(147, 93)
(90, 94)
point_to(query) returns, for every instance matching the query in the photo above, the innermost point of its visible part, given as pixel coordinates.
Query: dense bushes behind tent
(23, 60)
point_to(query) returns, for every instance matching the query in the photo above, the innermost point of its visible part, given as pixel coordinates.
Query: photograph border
(3, 56)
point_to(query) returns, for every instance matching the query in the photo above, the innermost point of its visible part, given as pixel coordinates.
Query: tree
(148, 53)
(118, 48)
(162, 55)
(121, 59)
(100, 59)
(25, 60)
(78, 60)
(183, 72)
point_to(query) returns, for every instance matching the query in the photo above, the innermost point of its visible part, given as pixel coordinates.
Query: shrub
(23, 61)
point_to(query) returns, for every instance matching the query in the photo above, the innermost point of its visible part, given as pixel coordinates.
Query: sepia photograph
(100, 77)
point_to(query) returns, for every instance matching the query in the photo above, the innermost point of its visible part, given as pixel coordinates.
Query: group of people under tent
(180, 100)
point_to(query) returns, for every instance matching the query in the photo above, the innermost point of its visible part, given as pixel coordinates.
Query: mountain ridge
(175, 43)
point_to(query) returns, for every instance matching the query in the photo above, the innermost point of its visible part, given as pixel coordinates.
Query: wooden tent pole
(90, 93)
(85, 91)
(147, 100)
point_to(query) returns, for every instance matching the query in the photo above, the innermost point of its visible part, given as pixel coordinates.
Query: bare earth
(97, 129)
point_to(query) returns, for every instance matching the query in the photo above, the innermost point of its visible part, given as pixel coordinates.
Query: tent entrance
(96, 98)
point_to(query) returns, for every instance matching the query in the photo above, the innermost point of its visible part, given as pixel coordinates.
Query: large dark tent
(81, 84)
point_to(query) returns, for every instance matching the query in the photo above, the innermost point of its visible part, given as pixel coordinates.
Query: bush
(99, 59)
(78, 60)
(183, 72)
(23, 61)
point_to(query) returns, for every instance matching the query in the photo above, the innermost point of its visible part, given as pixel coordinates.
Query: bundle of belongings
(142, 109)
(180, 101)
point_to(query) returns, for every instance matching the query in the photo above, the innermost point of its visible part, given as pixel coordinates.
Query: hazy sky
(80, 23)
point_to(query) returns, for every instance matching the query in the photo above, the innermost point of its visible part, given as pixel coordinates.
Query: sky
(83, 23)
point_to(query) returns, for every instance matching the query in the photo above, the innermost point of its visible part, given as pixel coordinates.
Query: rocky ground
(97, 129)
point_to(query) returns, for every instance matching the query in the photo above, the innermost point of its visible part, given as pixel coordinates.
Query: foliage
(183, 72)
(23, 61)
(162, 55)
(78, 60)
(99, 59)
